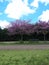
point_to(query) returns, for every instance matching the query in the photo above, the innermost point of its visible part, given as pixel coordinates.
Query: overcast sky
(34, 10)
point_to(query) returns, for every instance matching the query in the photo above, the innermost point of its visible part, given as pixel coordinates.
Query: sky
(34, 10)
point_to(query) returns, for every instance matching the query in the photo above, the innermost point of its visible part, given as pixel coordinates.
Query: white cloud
(18, 8)
(35, 3)
(45, 1)
(44, 16)
(8, 0)
(26, 2)
(4, 24)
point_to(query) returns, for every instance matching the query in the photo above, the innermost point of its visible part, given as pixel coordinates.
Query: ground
(23, 47)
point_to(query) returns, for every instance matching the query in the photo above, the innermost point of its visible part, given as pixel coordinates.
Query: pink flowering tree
(42, 27)
(20, 27)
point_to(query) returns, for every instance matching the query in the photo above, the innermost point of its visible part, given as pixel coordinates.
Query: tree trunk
(44, 37)
(21, 37)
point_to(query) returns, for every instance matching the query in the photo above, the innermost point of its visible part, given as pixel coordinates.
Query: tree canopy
(23, 28)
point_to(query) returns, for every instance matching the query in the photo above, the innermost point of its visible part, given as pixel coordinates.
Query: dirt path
(23, 47)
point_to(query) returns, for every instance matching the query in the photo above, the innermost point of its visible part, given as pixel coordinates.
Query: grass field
(24, 57)
(23, 42)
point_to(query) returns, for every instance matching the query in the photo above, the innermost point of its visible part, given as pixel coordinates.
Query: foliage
(23, 27)
(24, 57)
(31, 42)
(24, 30)
(20, 27)
(42, 27)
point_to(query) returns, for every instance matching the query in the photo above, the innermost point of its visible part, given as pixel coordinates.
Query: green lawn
(24, 57)
(24, 42)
